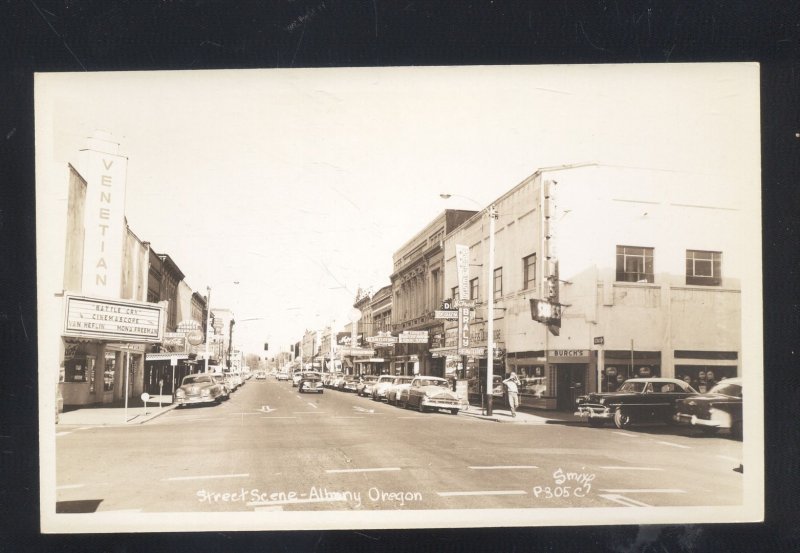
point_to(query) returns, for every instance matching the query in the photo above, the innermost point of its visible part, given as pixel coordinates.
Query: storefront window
(108, 371)
(533, 381)
(703, 377)
(75, 370)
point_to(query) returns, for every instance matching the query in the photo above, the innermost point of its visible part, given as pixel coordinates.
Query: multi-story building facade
(418, 290)
(645, 265)
(381, 311)
(96, 278)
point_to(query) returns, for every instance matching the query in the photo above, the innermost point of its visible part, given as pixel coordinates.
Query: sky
(287, 190)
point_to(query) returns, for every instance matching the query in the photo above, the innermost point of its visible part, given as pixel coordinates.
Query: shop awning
(166, 356)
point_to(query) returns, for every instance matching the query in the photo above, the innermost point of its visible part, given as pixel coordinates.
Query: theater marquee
(105, 319)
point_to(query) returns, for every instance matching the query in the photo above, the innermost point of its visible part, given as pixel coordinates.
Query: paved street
(271, 448)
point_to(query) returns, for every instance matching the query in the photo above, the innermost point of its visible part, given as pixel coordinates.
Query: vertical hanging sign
(105, 172)
(462, 269)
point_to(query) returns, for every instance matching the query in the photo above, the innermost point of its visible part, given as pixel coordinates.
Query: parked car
(720, 407)
(282, 376)
(337, 381)
(220, 378)
(349, 383)
(381, 386)
(310, 382)
(637, 400)
(431, 392)
(261, 376)
(329, 379)
(198, 388)
(364, 388)
(399, 383)
(296, 376)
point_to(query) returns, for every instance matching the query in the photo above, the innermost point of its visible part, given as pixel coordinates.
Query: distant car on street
(282, 376)
(637, 400)
(261, 376)
(310, 382)
(720, 407)
(199, 388)
(431, 392)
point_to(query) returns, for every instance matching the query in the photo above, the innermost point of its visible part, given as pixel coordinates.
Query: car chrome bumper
(594, 412)
(433, 403)
(188, 400)
(683, 418)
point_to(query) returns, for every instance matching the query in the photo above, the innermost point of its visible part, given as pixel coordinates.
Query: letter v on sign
(108, 164)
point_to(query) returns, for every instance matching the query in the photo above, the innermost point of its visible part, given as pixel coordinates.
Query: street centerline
(331, 471)
(206, 477)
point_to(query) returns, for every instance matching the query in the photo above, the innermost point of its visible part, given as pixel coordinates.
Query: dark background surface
(122, 35)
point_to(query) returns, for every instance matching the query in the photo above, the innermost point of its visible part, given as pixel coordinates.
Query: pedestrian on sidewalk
(512, 389)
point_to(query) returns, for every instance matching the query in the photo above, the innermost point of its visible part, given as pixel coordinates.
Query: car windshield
(433, 382)
(629, 386)
(370, 378)
(727, 389)
(197, 379)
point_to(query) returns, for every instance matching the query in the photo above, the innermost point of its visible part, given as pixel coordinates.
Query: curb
(152, 416)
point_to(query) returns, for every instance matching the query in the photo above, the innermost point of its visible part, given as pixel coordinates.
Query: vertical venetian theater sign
(105, 172)
(462, 270)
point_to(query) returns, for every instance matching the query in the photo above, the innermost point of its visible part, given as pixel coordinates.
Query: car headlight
(179, 393)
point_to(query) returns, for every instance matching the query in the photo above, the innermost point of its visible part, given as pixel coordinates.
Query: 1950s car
(637, 400)
(199, 388)
(364, 388)
(310, 382)
(721, 407)
(398, 385)
(431, 392)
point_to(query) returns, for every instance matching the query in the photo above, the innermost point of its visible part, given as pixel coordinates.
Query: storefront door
(571, 384)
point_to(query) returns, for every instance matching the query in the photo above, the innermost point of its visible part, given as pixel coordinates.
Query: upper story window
(529, 271)
(704, 268)
(454, 292)
(498, 283)
(634, 264)
(473, 289)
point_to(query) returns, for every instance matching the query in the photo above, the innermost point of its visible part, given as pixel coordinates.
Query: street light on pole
(491, 211)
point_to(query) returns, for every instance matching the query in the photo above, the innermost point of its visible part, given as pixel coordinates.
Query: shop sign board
(546, 312)
(459, 303)
(111, 319)
(174, 340)
(451, 314)
(414, 337)
(475, 352)
(599, 340)
(382, 340)
(357, 352)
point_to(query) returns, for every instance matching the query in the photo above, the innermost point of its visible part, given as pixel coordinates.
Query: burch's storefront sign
(107, 319)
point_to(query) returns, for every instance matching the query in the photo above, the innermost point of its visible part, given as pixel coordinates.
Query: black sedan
(310, 382)
(720, 408)
(637, 400)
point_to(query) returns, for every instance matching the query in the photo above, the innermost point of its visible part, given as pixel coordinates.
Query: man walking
(512, 387)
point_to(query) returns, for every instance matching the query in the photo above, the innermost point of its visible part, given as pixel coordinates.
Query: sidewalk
(113, 413)
(524, 416)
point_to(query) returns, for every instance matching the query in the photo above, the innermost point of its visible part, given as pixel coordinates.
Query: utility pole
(208, 324)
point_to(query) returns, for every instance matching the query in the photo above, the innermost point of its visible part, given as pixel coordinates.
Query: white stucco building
(647, 265)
